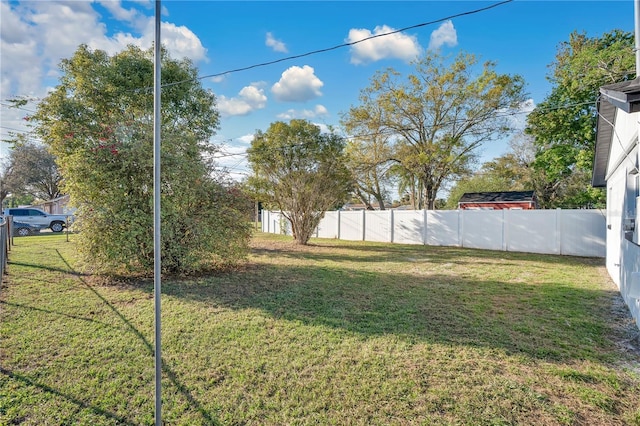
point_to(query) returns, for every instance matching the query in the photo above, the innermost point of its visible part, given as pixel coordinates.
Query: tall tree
(563, 125)
(438, 115)
(368, 161)
(32, 170)
(301, 171)
(98, 122)
(369, 156)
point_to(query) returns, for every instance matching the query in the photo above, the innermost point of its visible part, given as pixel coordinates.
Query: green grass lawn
(343, 333)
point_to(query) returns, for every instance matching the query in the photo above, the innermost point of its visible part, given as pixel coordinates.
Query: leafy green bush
(98, 122)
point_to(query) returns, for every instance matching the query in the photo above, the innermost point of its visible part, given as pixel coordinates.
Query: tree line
(420, 133)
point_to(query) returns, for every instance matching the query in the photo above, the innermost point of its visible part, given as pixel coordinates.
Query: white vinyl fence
(566, 232)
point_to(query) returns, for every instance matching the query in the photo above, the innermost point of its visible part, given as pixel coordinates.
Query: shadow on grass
(386, 252)
(545, 320)
(166, 369)
(49, 311)
(82, 404)
(48, 268)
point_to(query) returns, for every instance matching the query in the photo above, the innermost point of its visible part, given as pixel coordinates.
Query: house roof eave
(604, 137)
(625, 96)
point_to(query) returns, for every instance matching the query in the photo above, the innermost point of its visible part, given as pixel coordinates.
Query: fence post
(461, 227)
(364, 225)
(338, 226)
(391, 225)
(559, 230)
(425, 227)
(506, 217)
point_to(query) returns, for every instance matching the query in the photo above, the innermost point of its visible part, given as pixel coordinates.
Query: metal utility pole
(156, 216)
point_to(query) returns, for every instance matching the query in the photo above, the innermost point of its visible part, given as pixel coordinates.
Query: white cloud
(234, 160)
(36, 36)
(180, 41)
(297, 85)
(249, 99)
(119, 12)
(445, 35)
(246, 139)
(519, 119)
(323, 127)
(398, 45)
(276, 45)
(317, 111)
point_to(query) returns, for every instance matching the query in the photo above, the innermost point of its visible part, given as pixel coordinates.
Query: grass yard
(336, 333)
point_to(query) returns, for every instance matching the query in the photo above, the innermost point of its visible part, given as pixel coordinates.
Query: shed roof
(625, 96)
(496, 197)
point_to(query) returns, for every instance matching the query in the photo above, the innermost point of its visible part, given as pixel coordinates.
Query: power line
(339, 46)
(16, 107)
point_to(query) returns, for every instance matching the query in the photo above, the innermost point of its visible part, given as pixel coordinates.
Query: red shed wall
(525, 205)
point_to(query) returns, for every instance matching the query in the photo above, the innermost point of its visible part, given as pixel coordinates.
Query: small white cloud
(249, 99)
(398, 45)
(318, 111)
(323, 127)
(246, 139)
(445, 35)
(119, 12)
(276, 45)
(218, 79)
(180, 41)
(519, 119)
(297, 85)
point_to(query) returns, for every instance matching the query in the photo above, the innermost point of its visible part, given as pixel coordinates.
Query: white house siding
(629, 263)
(623, 256)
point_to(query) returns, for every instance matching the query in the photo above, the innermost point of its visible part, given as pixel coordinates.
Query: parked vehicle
(37, 217)
(23, 229)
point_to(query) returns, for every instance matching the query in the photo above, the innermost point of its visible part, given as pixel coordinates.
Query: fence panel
(482, 229)
(583, 233)
(569, 232)
(276, 223)
(532, 231)
(443, 227)
(328, 226)
(351, 225)
(378, 226)
(408, 226)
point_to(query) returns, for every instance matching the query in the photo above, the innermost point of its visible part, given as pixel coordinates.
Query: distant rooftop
(495, 197)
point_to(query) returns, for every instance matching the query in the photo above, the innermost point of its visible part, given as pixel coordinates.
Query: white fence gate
(566, 232)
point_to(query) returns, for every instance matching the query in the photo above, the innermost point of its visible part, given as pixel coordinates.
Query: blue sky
(521, 37)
